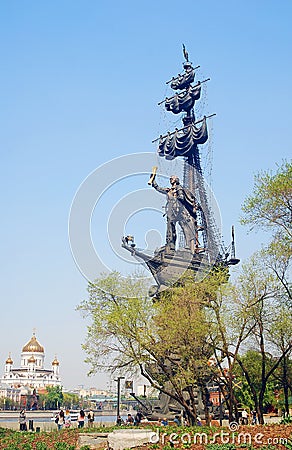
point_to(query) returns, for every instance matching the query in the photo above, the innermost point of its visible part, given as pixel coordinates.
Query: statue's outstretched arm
(160, 189)
(153, 183)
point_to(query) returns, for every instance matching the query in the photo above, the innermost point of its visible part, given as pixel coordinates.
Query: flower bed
(16, 440)
(266, 437)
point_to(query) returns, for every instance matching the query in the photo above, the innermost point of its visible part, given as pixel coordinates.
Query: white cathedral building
(31, 372)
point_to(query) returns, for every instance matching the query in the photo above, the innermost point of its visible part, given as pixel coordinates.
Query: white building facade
(32, 372)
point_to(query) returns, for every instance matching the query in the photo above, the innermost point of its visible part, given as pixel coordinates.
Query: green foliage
(288, 444)
(70, 401)
(187, 445)
(54, 398)
(170, 336)
(252, 361)
(175, 337)
(268, 447)
(12, 447)
(63, 446)
(286, 420)
(41, 446)
(270, 204)
(220, 447)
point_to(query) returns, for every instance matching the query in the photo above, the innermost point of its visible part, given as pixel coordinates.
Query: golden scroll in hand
(153, 175)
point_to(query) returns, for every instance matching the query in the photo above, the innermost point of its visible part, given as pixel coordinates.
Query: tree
(168, 341)
(231, 319)
(252, 361)
(277, 256)
(270, 205)
(271, 335)
(70, 401)
(281, 337)
(54, 398)
(7, 403)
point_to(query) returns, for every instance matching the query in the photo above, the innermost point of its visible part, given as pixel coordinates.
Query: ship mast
(184, 143)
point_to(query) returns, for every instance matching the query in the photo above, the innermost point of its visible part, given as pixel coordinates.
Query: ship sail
(184, 80)
(183, 143)
(184, 101)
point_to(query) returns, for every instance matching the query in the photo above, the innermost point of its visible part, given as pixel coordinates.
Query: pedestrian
(244, 417)
(130, 420)
(177, 420)
(164, 422)
(61, 419)
(67, 419)
(22, 421)
(90, 417)
(199, 421)
(138, 418)
(81, 419)
(120, 421)
(254, 417)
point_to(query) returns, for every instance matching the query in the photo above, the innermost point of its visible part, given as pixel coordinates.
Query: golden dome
(55, 362)
(32, 359)
(33, 346)
(9, 360)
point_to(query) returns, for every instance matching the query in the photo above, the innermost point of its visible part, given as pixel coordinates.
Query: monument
(188, 210)
(193, 241)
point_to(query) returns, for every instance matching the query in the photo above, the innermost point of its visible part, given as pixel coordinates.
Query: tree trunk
(191, 409)
(285, 387)
(260, 406)
(206, 400)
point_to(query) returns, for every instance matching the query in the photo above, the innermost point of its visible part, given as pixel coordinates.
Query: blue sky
(80, 83)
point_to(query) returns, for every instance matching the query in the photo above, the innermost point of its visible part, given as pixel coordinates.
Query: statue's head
(174, 179)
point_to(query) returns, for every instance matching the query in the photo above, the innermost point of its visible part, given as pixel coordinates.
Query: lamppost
(118, 380)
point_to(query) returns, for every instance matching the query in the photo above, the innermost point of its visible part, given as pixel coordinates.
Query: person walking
(90, 417)
(67, 419)
(22, 421)
(254, 417)
(61, 419)
(81, 419)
